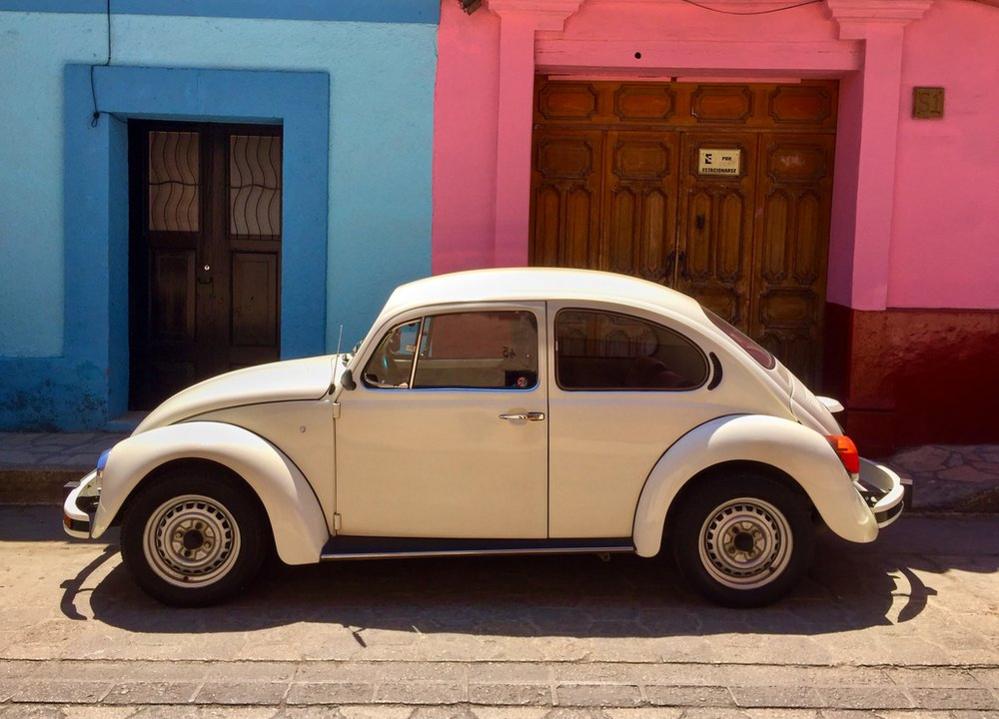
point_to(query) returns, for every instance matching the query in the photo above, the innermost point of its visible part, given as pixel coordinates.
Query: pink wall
(945, 203)
(465, 121)
(945, 238)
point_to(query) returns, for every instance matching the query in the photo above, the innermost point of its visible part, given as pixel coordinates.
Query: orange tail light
(846, 450)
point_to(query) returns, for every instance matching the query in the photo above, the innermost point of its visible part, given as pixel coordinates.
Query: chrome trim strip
(416, 353)
(618, 549)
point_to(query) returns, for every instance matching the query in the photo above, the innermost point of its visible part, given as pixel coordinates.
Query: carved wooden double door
(721, 191)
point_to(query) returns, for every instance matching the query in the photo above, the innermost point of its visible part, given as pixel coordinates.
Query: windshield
(752, 348)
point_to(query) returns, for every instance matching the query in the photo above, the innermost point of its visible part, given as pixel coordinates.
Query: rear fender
(794, 449)
(292, 508)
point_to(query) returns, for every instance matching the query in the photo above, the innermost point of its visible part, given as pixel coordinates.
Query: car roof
(539, 283)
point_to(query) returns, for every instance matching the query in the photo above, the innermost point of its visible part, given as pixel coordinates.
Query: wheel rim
(745, 543)
(191, 541)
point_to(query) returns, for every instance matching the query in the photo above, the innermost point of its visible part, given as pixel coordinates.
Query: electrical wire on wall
(95, 118)
(751, 12)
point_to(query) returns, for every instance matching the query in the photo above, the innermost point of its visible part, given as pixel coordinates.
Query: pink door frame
(867, 57)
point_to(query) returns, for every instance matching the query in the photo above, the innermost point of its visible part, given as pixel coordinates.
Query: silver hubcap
(745, 543)
(191, 541)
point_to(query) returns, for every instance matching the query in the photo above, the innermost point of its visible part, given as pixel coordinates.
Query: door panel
(205, 227)
(639, 204)
(441, 462)
(715, 233)
(566, 207)
(794, 189)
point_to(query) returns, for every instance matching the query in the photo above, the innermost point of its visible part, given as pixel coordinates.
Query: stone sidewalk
(34, 466)
(463, 686)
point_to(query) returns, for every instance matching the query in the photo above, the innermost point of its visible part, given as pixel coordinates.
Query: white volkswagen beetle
(512, 411)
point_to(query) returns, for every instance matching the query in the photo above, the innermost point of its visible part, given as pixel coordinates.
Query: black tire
(233, 533)
(723, 564)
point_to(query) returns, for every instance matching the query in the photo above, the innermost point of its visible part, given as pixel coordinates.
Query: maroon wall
(914, 376)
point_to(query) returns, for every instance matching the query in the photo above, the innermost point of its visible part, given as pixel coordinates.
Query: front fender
(293, 510)
(798, 451)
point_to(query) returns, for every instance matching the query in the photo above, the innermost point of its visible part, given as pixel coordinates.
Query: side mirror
(347, 380)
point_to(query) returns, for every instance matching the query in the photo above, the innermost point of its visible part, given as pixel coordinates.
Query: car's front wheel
(193, 537)
(743, 540)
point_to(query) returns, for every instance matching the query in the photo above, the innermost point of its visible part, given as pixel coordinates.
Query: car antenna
(339, 339)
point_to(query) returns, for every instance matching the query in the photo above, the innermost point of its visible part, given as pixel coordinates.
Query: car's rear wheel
(193, 537)
(742, 540)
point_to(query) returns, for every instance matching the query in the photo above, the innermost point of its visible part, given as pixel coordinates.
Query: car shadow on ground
(849, 587)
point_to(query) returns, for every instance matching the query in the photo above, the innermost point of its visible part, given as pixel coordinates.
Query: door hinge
(336, 522)
(336, 410)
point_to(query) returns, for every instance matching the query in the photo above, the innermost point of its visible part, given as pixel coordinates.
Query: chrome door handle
(524, 417)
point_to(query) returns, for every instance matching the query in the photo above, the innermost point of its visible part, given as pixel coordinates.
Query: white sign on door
(718, 161)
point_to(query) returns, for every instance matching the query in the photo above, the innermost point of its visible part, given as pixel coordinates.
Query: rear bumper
(885, 493)
(80, 506)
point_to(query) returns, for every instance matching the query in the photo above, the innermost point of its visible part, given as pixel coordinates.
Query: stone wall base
(914, 376)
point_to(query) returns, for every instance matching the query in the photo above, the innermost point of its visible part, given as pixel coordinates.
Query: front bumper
(885, 493)
(80, 506)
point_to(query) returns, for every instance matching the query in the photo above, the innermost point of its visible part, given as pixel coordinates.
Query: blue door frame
(88, 384)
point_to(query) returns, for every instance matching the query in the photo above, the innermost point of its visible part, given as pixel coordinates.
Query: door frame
(95, 356)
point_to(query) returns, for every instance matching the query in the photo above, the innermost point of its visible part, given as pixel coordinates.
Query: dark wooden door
(205, 228)
(619, 183)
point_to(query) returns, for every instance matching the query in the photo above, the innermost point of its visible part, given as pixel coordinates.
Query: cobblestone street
(907, 627)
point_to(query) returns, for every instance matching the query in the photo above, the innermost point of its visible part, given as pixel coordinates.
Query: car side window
(478, 350)
(391, 365)
(598, 350)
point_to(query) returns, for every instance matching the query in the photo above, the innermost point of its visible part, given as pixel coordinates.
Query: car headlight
(101, 463)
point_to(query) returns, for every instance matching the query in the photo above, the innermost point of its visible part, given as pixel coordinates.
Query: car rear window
(752, 348)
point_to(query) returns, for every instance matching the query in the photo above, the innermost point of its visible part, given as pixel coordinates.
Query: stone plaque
(927, 102)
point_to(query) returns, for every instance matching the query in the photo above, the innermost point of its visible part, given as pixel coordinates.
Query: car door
(625, 385)
(445, 434)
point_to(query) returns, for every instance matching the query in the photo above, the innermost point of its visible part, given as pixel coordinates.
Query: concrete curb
(36, 485)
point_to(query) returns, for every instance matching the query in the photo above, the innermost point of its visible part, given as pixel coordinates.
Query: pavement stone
(598, 695)
(507, 694)
(986, 676)
(689, 696)
(242, 692)
(152, 692)
(777, 696)
(953, 698)
(330, 693)
(864, 698)
(943, 677)
(420, 692)
(60, 691)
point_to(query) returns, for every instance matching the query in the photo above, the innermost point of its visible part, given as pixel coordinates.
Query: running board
(340, 548)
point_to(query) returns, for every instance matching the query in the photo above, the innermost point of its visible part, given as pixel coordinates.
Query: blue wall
(356, 101)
